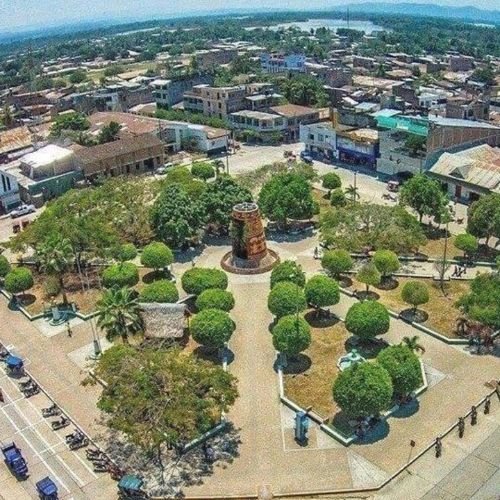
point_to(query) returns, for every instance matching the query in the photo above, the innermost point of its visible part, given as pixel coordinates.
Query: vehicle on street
(306, 158)
(47, 489)
(393, 186)
(22, 210)
(15, 460)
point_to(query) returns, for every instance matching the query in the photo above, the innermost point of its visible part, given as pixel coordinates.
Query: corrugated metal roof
(15, 138)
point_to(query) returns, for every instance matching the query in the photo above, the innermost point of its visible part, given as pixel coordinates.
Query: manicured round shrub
(336, 262)
(215, 298)
(157, 255)
(467, 243)
(125, 252)
(18, 280)
(404, 368)
(4, 266)
(199, 279)
(322, 291)
(369, 275)
(120, 275)
(367, 319)
(51, 286)
(415, 293)
(203, 171)
(337, 198)
(363, 389)
(163, 291)
(286, 298)
(331, 181)
(212, 328)
(386, 262)
(288, 271)
(291, 335)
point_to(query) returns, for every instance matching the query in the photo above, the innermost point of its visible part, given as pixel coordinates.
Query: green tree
(386, 262)
(331, 181)
(161, 397)
(175, 217)
(322, 291)
(338, 198)
(363, 390)
(415, 143)
(119, 314)
(286, 196)
(124, 252)
(413, 344)
(162, 291)
(124, 274)
(467, 243)
(212, 328)
(337, 262)
(157, 255)
(482, 303)
(484, 217)
(218, 200)
(109, 133)
(215, 298)
(198, 279)
(424, 195)
(55, 257)
(288, 270)
(203, 171)
(291, 335)
(286, 298)
(415, 293)
(18, 280)
(4, 266)
(369, 275)
(403, 367)
(367, 319)
(69, 121)
(78, 76)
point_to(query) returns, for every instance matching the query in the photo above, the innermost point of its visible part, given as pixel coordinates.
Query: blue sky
(23, 13)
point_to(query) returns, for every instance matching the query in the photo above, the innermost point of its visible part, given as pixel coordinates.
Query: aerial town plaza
(249, 254)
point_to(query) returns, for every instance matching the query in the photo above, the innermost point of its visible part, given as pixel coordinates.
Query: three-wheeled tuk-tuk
(130, 486)
(47, 489)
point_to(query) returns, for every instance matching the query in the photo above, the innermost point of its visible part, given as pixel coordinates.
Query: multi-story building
(335, 75)
(264, 124)
(458, 62)
(215, 101)
(467, 109)
(363, 62)
(295, 116)
(166, 93)
(282, 63)
(320, 140)
(359, 146)
(211, 58)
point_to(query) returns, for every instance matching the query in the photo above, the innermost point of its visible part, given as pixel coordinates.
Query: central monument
(250, 254)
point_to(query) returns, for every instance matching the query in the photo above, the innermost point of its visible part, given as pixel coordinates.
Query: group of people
(459, 270)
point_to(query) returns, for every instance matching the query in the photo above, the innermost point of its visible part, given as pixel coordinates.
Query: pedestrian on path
(461, 427)
(68, 329)
(438, 446)
(473, 416)
(2, 399)
(487, 404)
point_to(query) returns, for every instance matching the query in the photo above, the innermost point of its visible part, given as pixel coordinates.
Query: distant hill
(467, 13)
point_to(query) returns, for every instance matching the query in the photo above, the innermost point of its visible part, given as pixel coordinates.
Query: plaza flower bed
(440, 313)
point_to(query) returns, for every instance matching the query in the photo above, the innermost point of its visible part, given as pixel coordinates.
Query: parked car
(22, 210)
(306, 157)
(163, 170)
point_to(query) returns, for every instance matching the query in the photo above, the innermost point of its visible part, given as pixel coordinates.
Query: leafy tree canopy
(322, 291)
(415, 293)
(336, 262)
(288, 270)
(467, 243)
(203, 171)
(331, 181)
(367, 319)
(18, 280)
(162, 291)
(157, 255)
(120, 275)
(484, 217)
(369, 275)
(212, 327)
(291, 335)
(286, 298)
(215, 298)
(198, 279)
(386, 262)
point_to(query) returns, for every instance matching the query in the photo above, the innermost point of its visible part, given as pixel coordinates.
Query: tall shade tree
(484, 217)
(286, 196)
(119, 314)
(415, 293)
(286, 298)
(404, 368)
(336, 262)
(322, 291)
(424, 195)
(467, 243)
(386, 262)
(363, 390)
(367, 319)
(4, 266)
(55, 256)
(291, 335)
(288, 270)
(369, 275)
(331, 181)
(175, 217)
(161, 398)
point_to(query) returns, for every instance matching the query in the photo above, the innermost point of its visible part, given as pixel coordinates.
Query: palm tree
(55, 256)
(352, 192)
(462, 326)
(119, 314)
(413, 344)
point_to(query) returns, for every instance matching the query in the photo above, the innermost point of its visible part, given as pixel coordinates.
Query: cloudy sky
(23, 13)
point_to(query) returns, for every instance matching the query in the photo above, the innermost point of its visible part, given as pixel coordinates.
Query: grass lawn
(442, 313)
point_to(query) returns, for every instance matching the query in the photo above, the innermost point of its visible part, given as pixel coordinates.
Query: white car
(22, 210)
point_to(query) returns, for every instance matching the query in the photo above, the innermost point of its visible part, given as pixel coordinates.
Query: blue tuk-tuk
(130, 486)
(14, 364)
(47, 489)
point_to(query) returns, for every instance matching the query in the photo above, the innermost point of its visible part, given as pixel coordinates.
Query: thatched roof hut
(163, 321)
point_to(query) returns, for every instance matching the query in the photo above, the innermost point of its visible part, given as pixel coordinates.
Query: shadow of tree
(345, 282)
(389, 283)
(297, 364)
(376, 433)
(366, 295)
(323, 320)
(408, 409)
(367, 349)
(156, 275)
(418, 316)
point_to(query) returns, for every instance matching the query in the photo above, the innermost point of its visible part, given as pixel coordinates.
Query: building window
(137, 166)
(3, 184)
(321, 137)
(8, 183)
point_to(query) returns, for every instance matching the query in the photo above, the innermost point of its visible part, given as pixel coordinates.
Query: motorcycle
(26, 385)
(31, 391)
(74, 436)
(51, 411)
(76, 445)
(60, 424)
(93, 454)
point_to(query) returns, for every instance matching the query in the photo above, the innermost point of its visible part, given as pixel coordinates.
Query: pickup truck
(22, 210)
(15, 460)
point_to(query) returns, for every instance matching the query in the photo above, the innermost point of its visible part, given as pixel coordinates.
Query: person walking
(2, 399)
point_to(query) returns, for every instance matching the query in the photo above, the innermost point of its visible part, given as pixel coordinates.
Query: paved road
(44, 449)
